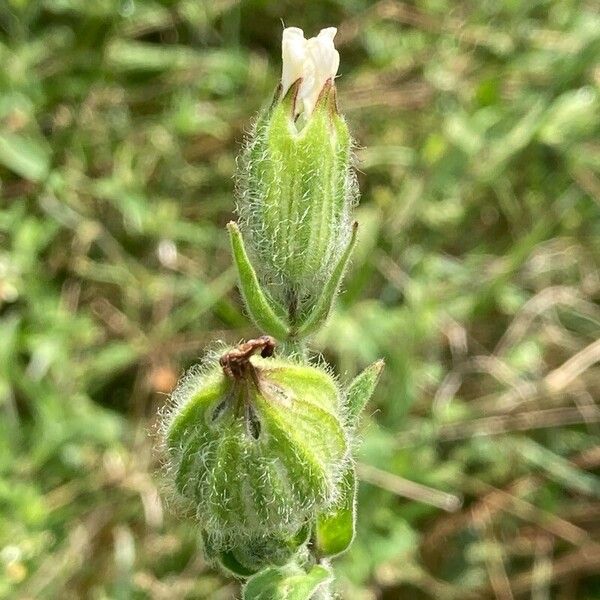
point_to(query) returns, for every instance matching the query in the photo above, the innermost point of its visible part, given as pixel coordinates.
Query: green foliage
(286, 583)
(361, 390)
(334, 530)
(474, 276)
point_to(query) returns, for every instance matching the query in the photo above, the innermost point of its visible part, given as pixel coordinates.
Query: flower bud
(256, 445)
(296, 185)
(250, 555)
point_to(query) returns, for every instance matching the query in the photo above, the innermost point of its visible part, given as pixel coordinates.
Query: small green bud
(250, 555)
(257, 445)
(296, 184)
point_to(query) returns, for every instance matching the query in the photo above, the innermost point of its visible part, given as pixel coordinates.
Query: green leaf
(24, 156)
(256, 301)
(286, 583)
(361, 389)
(335, 529)
(321, 311)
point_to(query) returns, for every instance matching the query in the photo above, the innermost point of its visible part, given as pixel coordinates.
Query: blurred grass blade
(408, 489)
(556, 467)
(28, 158)
(124, 55)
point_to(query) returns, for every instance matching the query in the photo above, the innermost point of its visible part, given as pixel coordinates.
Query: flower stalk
(259, 437)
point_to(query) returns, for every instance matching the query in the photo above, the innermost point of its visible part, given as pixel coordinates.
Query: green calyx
(269, 314)
(258, 447)
(296, 191)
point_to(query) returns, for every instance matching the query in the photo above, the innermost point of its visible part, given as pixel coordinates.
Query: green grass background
(476, 278)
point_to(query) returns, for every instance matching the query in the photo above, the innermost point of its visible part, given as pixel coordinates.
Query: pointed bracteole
(258, 304)
(321, 311)
(361, 389)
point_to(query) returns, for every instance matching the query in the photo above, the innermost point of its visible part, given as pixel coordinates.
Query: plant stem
(294, 346)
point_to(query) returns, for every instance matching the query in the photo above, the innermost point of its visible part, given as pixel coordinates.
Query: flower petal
(293, 55)
(322, 62)
(315, 61)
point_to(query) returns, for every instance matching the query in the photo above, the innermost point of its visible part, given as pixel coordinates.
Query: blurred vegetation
(476, 277)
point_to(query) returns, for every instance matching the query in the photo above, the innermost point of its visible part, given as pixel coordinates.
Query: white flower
(293, 56)
(315, 60)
